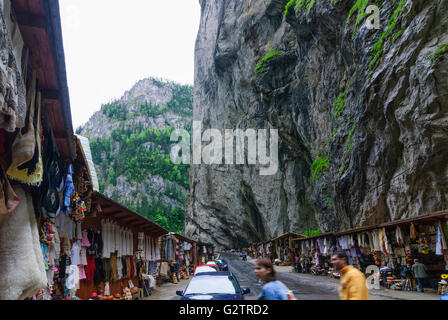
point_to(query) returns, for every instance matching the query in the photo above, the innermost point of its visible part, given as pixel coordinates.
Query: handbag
(31, 170)
(24, 144)
(134, 290)
(8, 198)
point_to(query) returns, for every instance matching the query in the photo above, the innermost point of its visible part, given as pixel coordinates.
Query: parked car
(213, 286)
(222, 264)
(206, 268)
(233, 250)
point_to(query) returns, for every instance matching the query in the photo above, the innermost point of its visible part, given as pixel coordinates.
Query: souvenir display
(392, 249)
(423, 246)
(12, 84)
(54, 179)
(78, 207)
(56, 242)
(47, 232)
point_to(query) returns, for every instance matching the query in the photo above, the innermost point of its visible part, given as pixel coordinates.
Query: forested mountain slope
(130, 142)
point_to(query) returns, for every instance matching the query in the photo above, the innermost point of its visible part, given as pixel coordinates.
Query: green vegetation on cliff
(318, 167)
(311, 233)
(140, 154)
(441, 49)
(360, 8)
(298, 5)
(181, 103)
(377, 49)
(261, 65)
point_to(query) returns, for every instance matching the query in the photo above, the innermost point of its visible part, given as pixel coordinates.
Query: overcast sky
(111, 44)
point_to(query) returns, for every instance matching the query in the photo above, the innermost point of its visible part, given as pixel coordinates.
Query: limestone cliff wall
(363, 140)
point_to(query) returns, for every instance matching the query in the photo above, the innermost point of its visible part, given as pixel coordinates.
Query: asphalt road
(304, 286)
(244, 272)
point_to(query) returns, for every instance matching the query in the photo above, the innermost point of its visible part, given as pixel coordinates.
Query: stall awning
(425, 218)
(285, 236)
(40, 25)
(126, 216)
(184, 238)
(84, 153)
(433, 217)
(322, 235)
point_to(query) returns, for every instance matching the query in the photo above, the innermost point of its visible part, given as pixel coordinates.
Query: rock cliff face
(150, 91)
(362, 115)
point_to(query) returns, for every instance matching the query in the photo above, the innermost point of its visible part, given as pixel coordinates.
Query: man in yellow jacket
(353, 285)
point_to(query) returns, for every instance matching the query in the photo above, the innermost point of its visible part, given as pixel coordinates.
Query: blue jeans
(421, 281)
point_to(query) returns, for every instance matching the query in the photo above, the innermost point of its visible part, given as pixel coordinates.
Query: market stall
(205, 252)
(282, 248)
(392, 247)
(262, 250)
(36, 143)
(125, 252)
(178, 257)
(185, 254)
(313, 253)
(170, 265)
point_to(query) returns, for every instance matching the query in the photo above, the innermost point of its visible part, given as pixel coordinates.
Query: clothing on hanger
(412, 232)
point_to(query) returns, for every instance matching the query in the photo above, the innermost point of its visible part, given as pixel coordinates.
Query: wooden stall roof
(322, 235)
(424, 218)
(432, 217)
(124, 215)
(40, 25)
(80, 158)
(285, 235)
(205, 244)
(183, 238)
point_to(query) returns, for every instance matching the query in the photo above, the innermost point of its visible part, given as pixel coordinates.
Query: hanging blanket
(157, 243)
(12, 86)
(21, 260)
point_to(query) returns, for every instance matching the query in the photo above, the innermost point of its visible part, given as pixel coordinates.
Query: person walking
(384, 272)
(273, 289)
(353, 285)
(419, 272)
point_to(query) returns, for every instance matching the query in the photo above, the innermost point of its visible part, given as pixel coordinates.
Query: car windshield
(212, 284)
(206, 269)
